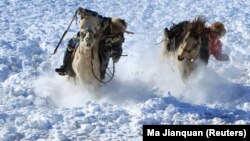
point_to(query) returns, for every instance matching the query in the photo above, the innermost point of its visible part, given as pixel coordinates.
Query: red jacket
(215, 48)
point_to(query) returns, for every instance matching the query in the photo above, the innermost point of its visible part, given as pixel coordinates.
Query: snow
(37, 104)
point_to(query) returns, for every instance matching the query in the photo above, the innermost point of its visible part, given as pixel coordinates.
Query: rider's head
(218, 28)
(118, 26)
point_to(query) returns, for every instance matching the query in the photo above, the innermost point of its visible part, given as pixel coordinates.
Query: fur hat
(118, 23)
(218, 28)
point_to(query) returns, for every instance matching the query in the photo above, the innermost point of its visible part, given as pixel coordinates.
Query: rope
(111, 77)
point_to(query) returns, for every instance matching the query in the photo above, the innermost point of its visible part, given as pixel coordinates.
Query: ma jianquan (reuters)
(168, 132)
(208, 133)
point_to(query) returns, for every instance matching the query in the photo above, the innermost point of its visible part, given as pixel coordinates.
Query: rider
(214, 33)
(110, 43)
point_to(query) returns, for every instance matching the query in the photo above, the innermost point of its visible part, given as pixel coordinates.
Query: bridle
(194, 46)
